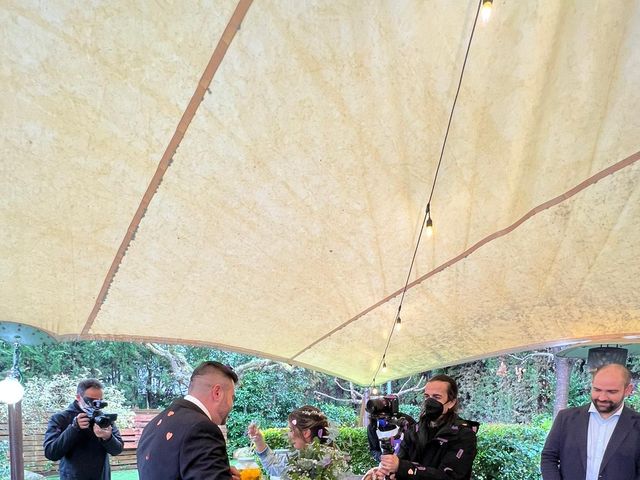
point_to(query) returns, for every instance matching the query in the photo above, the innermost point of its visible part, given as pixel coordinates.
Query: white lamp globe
(11, 391)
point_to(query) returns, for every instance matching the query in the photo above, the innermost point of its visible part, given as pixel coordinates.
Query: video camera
(390, 426)
(96, 415)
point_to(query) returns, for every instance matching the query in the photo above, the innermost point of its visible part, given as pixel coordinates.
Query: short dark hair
(452, 386)
(212, 366)
(88, 383)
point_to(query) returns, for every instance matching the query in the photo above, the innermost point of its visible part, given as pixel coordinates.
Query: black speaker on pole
(600, 356)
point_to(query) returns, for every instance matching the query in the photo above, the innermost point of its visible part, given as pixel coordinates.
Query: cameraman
(78, 442)
(441, 446)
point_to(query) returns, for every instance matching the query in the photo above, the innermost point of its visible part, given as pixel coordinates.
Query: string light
(427, 214)
(427, 221)
(486, 10)
(374, 390)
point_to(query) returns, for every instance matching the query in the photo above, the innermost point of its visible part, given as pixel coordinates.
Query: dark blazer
(82, 455)
(564, 456)
(181, 443)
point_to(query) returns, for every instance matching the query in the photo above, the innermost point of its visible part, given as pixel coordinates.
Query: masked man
(81, 445)
(441, 445)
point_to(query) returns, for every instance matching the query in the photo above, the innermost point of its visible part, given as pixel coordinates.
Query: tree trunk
(563, 376)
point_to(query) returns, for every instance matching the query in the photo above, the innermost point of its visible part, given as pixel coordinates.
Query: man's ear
(628, 390)
(216, 391)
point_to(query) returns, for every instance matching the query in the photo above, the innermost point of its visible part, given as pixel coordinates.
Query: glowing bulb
(429, 227)
(486, 10)
(374, 391)
(11, 391)
(398, 323)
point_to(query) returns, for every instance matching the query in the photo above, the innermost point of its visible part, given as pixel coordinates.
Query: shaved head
(613, 369)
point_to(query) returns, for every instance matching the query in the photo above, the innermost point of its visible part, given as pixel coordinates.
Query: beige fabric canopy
(275, 211)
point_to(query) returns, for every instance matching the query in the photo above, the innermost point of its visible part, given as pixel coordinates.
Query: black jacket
(181, 443)
(82, 455)
(446, 454)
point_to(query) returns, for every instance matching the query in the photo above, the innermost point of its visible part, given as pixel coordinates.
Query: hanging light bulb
(429, 227)
(398, 323)
(11, 391)
(486, 10)
(384, 366)
(374, 390)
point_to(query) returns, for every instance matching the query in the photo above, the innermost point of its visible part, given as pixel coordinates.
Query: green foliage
(506, 389)
(342, 415)
(353, 441)
(317, 461)
(508, 452)
(5, 466)
(412, 410)
(276, 438)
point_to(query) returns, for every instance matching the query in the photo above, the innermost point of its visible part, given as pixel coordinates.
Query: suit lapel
(623, 427)
(583, 432)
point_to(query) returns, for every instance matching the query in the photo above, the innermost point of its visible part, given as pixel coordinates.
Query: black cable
(427, 212)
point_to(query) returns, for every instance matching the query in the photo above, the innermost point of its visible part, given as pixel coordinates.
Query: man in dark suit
(599, 441)
(184, 442)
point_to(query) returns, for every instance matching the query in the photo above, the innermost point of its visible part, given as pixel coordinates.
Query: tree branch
(550, 356)
(417, 387)
(346, 400)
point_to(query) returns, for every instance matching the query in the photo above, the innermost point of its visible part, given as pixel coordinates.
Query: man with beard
(596, 441)
(441, 445)
(184, 441)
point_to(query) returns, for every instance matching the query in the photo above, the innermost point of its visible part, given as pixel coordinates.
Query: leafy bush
(340, 415)
(353, 441)
(5, 465)
(276, 437)
(508, 452)
(412, 410)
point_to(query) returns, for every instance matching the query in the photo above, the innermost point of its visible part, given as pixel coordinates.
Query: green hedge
(505, 452)
(509, 452)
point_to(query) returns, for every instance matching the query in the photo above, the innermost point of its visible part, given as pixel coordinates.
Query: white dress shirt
(198, 403)
(600, 431)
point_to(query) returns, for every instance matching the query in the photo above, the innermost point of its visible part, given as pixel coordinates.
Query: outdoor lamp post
(12, 391)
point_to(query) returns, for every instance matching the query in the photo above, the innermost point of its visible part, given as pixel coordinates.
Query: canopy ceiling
(285, 224)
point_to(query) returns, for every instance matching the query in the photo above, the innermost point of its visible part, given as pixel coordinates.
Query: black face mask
(432, 409)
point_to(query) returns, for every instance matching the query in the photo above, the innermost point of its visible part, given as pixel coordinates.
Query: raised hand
(254, 433)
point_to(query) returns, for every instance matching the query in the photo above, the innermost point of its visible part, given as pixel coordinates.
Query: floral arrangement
(317, 461)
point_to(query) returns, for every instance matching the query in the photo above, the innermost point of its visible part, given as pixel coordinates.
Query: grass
(117, 475)
(124, 475)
